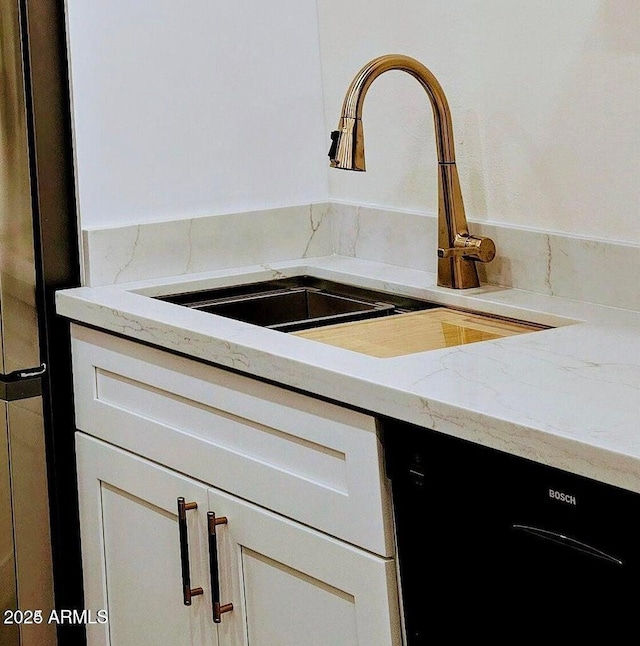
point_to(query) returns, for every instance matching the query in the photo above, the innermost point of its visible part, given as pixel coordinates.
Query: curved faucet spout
(354, 100)
(457, 250)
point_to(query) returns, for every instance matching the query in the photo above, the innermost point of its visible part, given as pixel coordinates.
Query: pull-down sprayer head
(347, 147)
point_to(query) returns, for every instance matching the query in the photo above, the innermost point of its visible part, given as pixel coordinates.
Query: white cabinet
(288, 584)
(297, 586)
(131, 550)
(306, 554)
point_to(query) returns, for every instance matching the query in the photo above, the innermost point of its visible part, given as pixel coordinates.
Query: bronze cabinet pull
(218, 608)
(187, 590)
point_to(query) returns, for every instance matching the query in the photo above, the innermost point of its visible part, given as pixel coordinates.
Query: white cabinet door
(289, 585)
(131, 550)
(293, 586)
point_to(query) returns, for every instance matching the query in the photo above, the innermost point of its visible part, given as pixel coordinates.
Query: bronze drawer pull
(218, 608)
(187, 590)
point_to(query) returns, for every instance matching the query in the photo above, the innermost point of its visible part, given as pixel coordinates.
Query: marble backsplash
(190, 246)
(584, 269)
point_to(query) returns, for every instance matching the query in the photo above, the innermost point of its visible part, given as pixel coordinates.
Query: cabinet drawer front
(309, 460)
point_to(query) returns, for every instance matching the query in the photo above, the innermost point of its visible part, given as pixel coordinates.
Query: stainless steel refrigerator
(35, 220)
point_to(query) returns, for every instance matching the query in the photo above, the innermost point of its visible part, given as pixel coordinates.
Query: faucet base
(457, 273)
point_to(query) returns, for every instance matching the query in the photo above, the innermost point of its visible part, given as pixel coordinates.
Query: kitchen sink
(298, 303)
(350, 317)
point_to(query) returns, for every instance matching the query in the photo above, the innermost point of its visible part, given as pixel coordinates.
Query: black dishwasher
(494, 545)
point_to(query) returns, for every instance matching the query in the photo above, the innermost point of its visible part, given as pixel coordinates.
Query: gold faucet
(458, 251)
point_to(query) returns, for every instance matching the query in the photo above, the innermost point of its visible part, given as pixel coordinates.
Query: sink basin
(298, 303)
(350, 317)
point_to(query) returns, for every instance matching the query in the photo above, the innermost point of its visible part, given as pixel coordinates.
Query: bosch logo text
(562, 497)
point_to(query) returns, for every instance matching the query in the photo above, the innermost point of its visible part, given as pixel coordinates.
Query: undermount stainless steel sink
(297, 303)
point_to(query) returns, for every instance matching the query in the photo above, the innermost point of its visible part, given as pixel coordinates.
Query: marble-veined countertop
(567, 396)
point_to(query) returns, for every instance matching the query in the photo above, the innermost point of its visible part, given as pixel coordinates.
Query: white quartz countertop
(568, 396)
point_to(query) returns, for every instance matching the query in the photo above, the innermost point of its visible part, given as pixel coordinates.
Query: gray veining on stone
(537, 261)
(567, 396)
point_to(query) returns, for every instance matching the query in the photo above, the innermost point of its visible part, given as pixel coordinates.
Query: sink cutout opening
(371, 322)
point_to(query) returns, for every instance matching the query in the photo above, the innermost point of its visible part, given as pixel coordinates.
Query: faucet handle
(335, 137)
(473, 247)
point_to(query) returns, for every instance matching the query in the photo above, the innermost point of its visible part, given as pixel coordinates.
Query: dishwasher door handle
(563, 539)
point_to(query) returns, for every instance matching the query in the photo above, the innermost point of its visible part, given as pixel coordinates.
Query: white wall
(191, 108)
(186, 109)
(544, 97)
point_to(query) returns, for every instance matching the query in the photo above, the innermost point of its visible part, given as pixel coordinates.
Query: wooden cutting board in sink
(433, 329)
